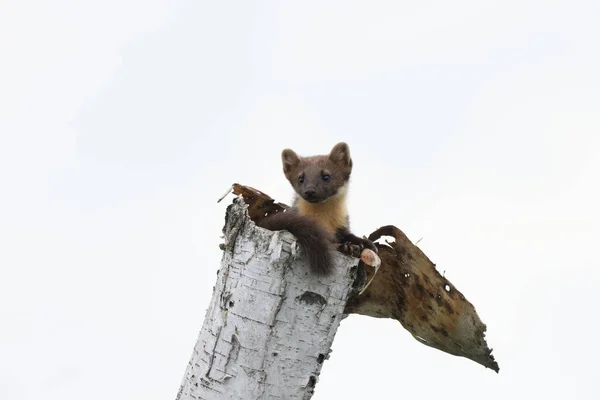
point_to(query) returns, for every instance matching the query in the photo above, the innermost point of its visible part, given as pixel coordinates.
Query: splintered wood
(407, 287)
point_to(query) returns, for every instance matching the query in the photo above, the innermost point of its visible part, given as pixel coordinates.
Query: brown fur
(319, 216)
(314, 240)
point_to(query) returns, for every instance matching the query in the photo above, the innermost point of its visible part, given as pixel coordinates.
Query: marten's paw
(367, 244)
(349, 248)
(355, 247)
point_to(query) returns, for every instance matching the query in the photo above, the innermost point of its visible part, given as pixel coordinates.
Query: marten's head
(318, 178)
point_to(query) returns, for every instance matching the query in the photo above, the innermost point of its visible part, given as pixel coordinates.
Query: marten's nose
(310, 193)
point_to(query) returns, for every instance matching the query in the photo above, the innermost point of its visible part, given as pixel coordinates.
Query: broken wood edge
(226, 193)
(427, 304)
(261, 205)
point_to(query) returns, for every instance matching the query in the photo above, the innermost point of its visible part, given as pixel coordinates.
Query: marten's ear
(290, 160)
(340, 155)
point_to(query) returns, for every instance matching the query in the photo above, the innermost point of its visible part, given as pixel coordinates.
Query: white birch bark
(270, 324)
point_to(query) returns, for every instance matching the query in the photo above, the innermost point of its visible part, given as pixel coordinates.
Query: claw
(366, 243)
(350, 249)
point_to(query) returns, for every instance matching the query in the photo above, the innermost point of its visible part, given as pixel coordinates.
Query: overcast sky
(473, 125)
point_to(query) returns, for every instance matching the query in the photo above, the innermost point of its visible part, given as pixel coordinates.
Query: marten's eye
(326, 178)
(301, 179)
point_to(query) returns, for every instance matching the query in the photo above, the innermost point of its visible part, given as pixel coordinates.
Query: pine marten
(319, 218)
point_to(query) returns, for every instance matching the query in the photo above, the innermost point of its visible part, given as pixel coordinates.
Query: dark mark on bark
(312, 298)
(441, 330)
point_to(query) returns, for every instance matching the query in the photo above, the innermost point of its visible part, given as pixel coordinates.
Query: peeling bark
(408, 288)
(270, 324)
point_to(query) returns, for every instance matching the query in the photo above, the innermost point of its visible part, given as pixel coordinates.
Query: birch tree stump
(270, 324)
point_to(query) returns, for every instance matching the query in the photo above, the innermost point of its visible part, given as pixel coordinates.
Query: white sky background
(473, 125)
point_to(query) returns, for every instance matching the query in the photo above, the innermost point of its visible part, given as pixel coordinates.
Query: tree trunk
(270, 324)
